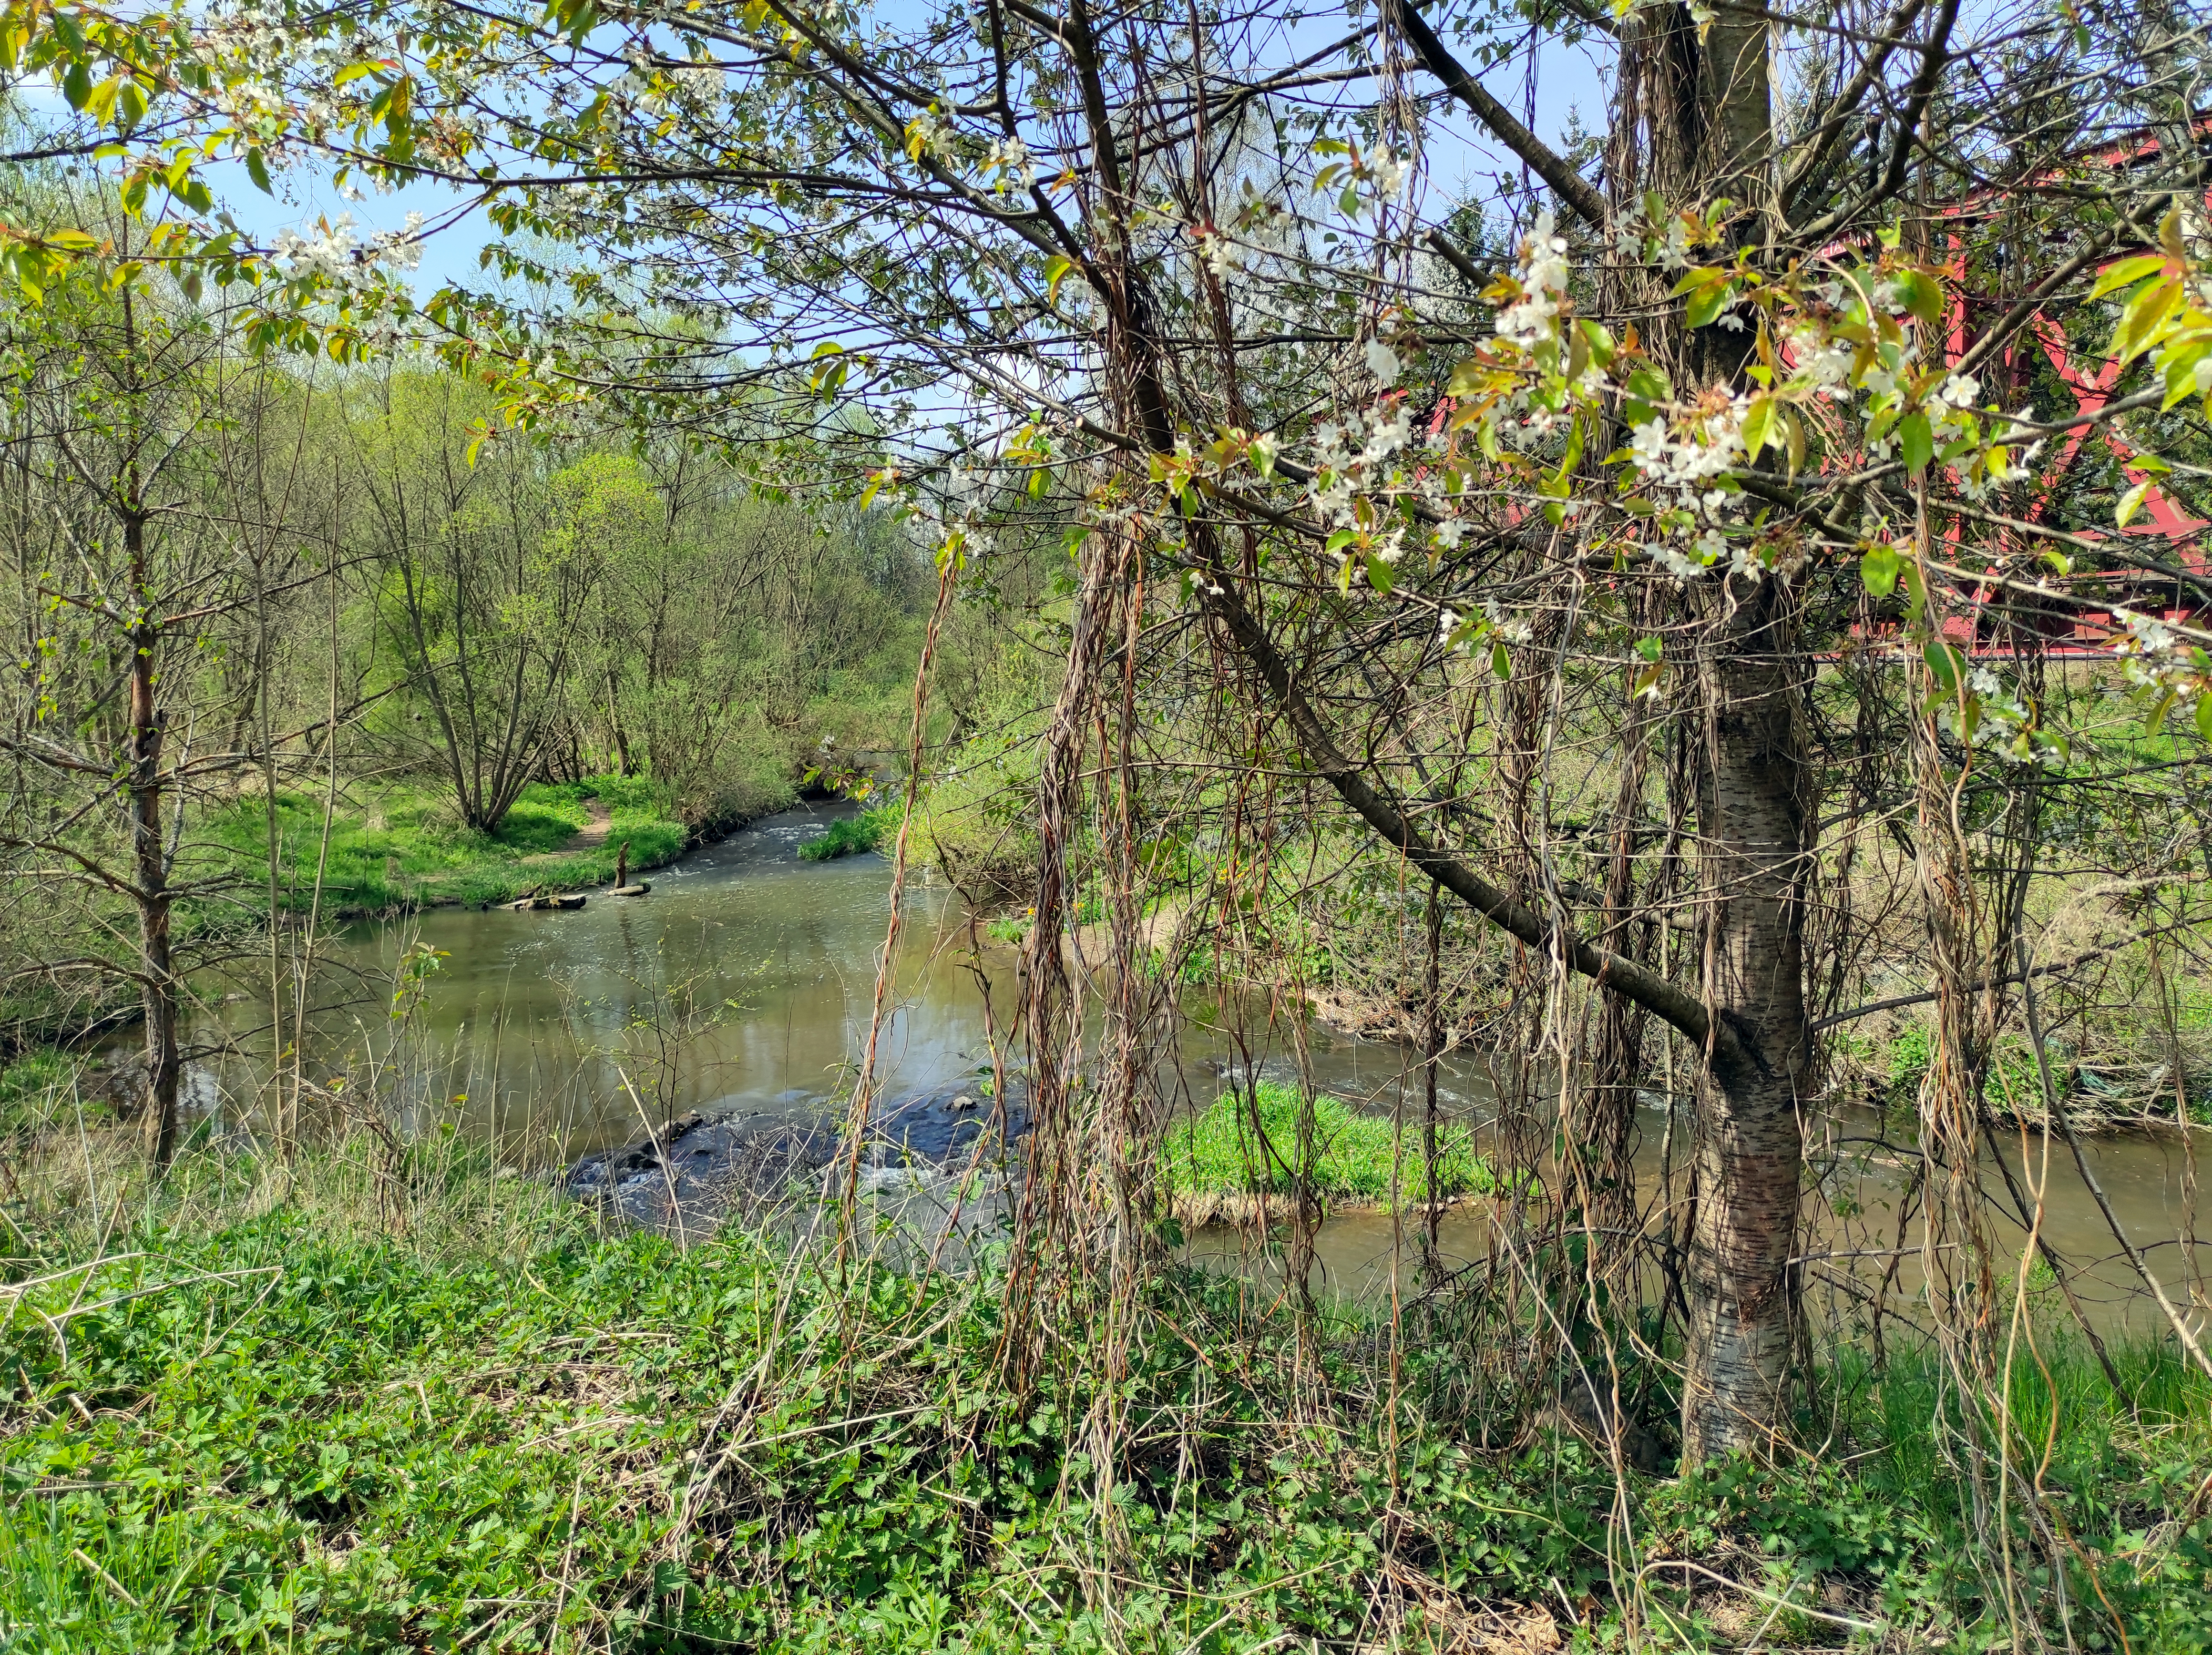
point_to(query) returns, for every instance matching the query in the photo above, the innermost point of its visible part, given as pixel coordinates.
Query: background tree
(142, 574)
(482, 587)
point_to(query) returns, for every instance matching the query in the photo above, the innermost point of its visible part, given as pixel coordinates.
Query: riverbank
(380, 1400)
(396, 846)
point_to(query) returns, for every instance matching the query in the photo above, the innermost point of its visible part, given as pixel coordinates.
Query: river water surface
(746, 980)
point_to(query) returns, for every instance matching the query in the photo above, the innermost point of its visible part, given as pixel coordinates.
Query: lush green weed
(850, 835)
(1226, 1151)
(263, 1424)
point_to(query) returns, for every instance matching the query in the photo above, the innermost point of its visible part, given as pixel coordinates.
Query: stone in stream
(683, 1180)
(548, 904)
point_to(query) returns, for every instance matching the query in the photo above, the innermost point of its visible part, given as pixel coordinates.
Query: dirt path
(593, 833)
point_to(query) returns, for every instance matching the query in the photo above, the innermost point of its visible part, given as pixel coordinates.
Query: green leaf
(1708, 302)
(1758, 426)
(1055, 268)
(256, 168)
(1340, 540)
(1917, 441)
(1947, 663)
(2178, 362)
(99, 102)
(1878, 568)
(1501, 663)
(2130, 503)
(2126, 272)
(1646, 386)
(1922, 295)
(2204, 717)
(1651, 648)
(2140, 321)
(1379, 574)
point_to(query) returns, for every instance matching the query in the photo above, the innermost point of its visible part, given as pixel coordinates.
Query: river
(746, 980)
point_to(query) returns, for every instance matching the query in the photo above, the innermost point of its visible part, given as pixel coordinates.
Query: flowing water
(745, 982)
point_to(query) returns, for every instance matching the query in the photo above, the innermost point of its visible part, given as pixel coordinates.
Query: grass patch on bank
(396, 845)
(371, 1403)
(851, 835)
(1220, 1153)
(29, 1082)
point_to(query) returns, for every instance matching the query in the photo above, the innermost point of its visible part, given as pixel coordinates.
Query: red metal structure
(2166, 530)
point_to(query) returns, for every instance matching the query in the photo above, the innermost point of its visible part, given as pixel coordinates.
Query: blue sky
(1459, 160)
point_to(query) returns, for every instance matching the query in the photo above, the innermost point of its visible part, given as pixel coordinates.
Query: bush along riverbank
(398, 846)
(384, 1399)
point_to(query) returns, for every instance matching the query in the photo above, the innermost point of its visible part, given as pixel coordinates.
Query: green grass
(28, 1086)
(264, 1424)
(399, 845)
(1219, 1153)
(850, 835)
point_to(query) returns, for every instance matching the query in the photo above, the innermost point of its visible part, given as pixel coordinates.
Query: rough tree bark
(1706, 105)
(157, 974)
(1752, 835)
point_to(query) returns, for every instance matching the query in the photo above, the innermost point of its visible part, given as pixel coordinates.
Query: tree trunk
(1706, 101)
(157, 981)
(615, 724)
(1754, 832)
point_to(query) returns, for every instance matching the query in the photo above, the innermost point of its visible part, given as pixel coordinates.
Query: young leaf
(1917, 442)
(2130, 503)
(2126, 272)
(1758, 427)
(1878, 568)
(1946, 662)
